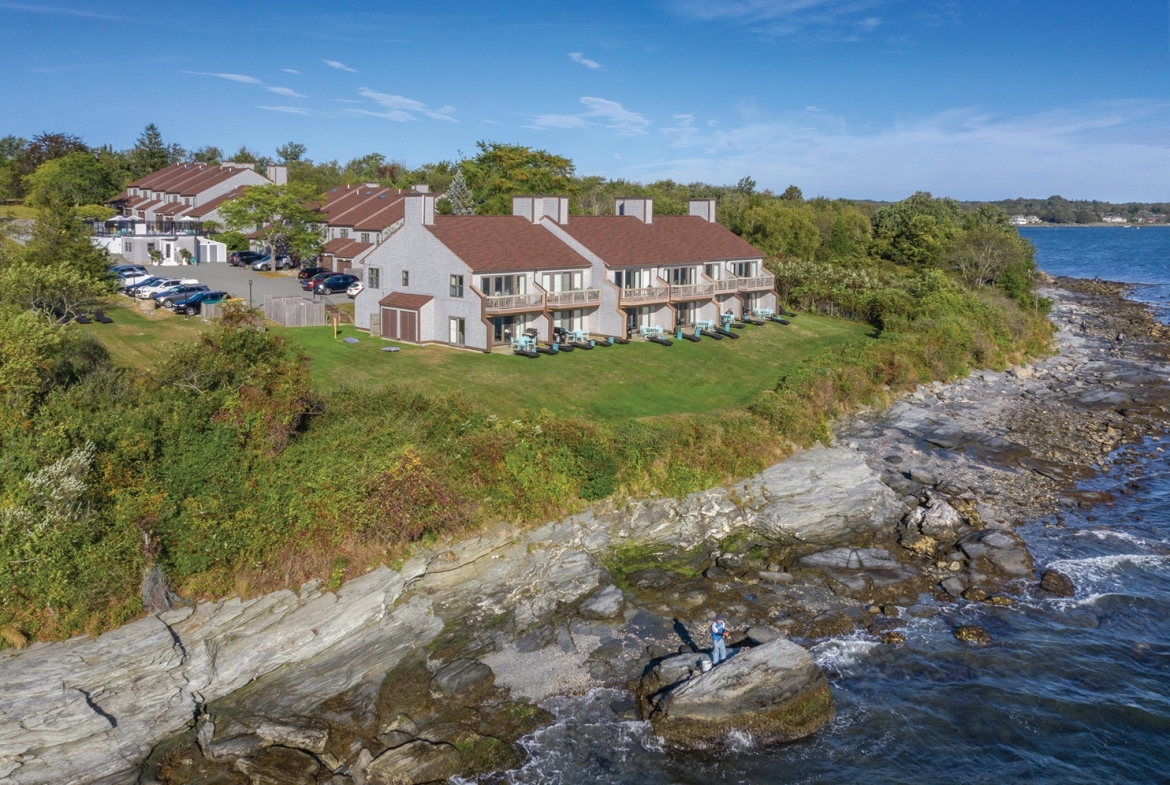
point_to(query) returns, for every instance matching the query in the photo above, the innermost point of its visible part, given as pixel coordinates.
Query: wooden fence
(294, 310)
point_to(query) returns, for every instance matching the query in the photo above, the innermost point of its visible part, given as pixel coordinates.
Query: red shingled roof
(207, 207)
(404, 300)
(624, 241)
(345, 248)
(503, 242)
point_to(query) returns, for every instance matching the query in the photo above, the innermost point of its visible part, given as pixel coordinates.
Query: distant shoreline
(1095, 225)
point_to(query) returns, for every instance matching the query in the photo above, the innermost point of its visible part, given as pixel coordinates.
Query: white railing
(692, 290)
(574, 297)
(647, 294)
(515, 302)
(759, 282)
(726, 285)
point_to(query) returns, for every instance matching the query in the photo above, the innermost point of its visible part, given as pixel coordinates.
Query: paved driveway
(234, 280)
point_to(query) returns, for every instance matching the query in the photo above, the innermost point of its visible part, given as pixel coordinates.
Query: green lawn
(637, 380)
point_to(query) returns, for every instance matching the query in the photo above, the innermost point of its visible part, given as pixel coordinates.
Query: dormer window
(343, 233)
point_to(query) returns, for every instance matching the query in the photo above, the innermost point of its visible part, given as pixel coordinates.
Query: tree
(916, 230)
(746, 185)
(150, 153)
(76, 179)
(459, 197)
(43, 147)
(983, 253)
(292, 151)
(501, 171)
(279, 215)
(206, 155)
(59, 272)
(781, 227)
(792, 194)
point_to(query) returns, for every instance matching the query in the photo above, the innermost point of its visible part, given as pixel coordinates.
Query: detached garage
(401, 317)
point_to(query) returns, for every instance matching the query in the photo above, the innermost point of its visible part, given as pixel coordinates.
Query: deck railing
(690, 290)
(514, 302)
(648, 294)
(726, 285)
(758, 282)
(574, 297)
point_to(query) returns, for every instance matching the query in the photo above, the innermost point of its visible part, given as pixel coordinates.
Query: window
(375, 278)
(343, 233)
(744, 269)
(502, 285)
(562, 282)
(457, 332)
(406, 277)
(456, 285)
(711, 271)
(682, 276)
(127, 247)
(365, 237)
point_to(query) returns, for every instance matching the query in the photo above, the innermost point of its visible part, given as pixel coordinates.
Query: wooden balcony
(758, 282)
(514, 303)
(576, 298)
(650, 294)
(692, 291)
(726, 285)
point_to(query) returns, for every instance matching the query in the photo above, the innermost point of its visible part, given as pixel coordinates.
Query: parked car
(168, 297)
(355, 289)
(283, 262)
(132, 290)
(132, 279)
(194, 304)
(243, 258)
(144, 290)
(309, 283)
(119, 269)
(334, 283)
(309, 272)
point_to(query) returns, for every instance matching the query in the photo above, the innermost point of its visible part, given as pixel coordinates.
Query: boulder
(774, 692)
(969, 633)
(606, 603)
(1057, 583)
(823, 496)
(760, 635)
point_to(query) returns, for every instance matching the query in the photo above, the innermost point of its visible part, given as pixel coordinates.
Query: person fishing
(718, 646)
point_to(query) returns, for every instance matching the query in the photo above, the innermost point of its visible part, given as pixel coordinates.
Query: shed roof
(404, 300)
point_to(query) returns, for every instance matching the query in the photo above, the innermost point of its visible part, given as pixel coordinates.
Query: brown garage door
(400, 324)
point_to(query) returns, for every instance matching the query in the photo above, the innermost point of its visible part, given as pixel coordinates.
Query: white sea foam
(1110, 534)
(739, 741)
(1105, 568)
(839, 655)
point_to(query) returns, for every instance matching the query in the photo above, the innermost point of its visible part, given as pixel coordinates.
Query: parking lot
(234, 281)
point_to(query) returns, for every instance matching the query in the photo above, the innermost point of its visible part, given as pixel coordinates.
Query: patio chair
(101, 317)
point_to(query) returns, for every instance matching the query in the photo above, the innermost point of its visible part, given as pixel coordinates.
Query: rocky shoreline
(436, 668)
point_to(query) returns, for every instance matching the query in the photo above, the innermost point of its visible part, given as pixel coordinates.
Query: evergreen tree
(459, 196)
(150, 153)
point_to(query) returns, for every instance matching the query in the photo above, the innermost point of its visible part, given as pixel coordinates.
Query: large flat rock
(774, 692)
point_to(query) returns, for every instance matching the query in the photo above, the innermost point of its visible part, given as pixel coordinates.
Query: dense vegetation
(222, 465)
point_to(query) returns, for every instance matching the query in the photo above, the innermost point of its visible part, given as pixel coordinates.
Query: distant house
(1025, 220)
(1114, 219)
(476, 281)
(174, 209)
(358, 218)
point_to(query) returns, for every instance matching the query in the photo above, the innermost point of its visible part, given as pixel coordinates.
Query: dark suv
(334, 283)
(168, 297)
(244, 258)
(194, 303)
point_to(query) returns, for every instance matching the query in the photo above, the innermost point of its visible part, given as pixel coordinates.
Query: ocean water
(1069, 691)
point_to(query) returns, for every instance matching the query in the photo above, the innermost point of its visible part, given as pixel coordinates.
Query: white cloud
(611, 114)
(287, 92)
(340, 66)
(577, 57)
(287, 109)
(1082, 151)
(787, 17)
(402, 109)
(230, 77)
(290, 71)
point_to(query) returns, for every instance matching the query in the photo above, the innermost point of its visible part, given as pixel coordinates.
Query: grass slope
(618, 382)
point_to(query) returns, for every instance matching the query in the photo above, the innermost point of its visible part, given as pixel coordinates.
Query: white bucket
(705, 665)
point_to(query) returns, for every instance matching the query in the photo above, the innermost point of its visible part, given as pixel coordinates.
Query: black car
(308, 272)
(334, 283)
(244, 258)
(195, 302)
(168, 297)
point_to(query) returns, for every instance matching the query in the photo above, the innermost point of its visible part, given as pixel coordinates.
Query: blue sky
(845, 98)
